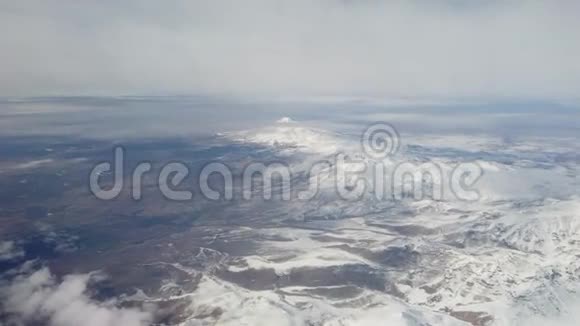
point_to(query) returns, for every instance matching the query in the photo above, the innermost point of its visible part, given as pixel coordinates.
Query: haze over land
(443, 49)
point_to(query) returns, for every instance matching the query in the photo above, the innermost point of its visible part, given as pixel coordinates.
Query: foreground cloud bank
(522, 49)
(39, 297)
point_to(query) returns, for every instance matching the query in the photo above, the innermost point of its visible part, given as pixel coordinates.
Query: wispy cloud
(9, 251)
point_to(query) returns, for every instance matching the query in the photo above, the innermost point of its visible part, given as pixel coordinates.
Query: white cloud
(9, 251)
(39, 296)
(520, 49)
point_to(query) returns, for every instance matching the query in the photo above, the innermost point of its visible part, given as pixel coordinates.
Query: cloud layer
(516, 49)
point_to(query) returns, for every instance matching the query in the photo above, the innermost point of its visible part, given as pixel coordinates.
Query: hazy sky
(446, 49)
